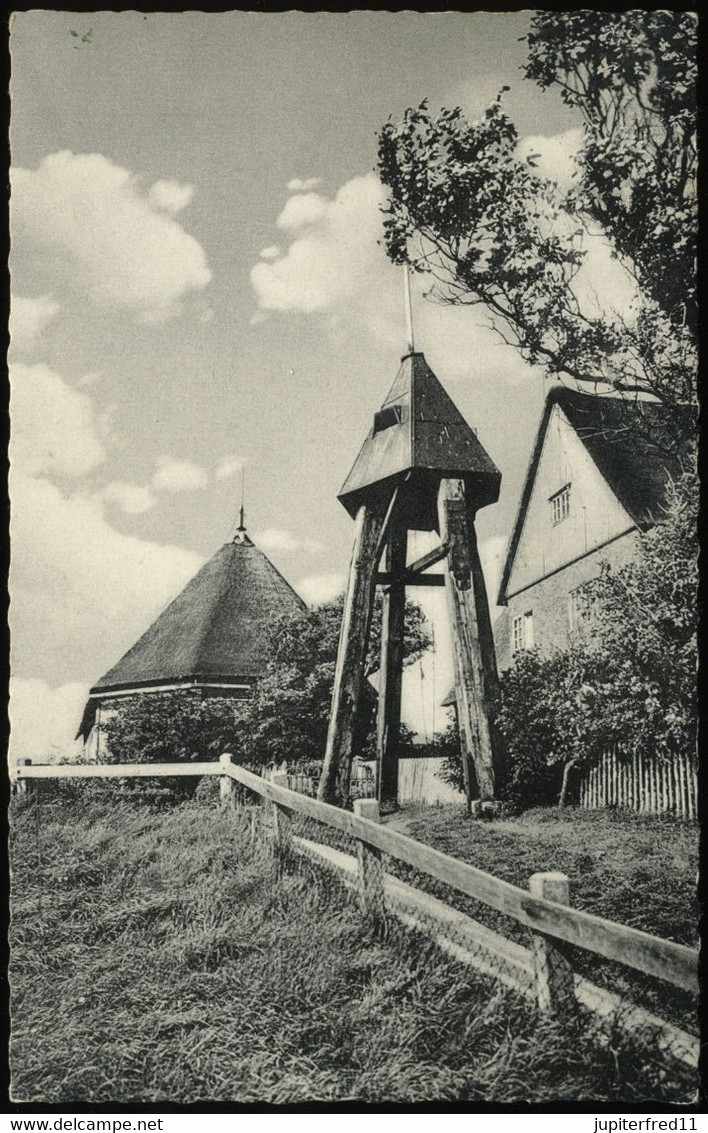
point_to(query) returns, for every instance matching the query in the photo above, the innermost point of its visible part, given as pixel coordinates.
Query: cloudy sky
(198, 285)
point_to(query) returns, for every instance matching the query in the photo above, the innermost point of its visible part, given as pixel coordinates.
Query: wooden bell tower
(421, 468)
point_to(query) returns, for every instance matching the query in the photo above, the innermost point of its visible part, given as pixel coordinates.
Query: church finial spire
(241, 524)
(241, 535)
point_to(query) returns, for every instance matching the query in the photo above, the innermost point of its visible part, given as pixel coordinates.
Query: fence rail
(645, 784)
(675, 963)
(544, 909)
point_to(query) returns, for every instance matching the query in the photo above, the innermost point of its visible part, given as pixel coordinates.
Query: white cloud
(117, 248)
(229, 466)
(29, 317)
(170, 196)
(55, 429)
(602, 285)
(336, 269)
(319, 588)
(43, 719)
(133, 499)
(277, 539)
(271, 252)
(335, 257)
(178, 476)
(310, 208)
(81, 592)
(297, 185)
(555, 152)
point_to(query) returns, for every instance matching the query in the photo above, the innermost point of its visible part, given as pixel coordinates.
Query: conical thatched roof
(214, 632)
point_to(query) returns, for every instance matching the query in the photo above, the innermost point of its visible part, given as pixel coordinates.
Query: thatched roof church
(212, 637)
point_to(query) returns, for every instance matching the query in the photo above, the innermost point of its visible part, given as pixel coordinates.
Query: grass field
(157, 956)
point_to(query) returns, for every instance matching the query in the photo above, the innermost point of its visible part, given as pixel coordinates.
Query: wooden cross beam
(387, 578)
(428, 560)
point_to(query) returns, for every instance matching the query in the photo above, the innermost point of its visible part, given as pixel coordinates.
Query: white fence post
(555, 985)
(22, 786)
(371, 871)
(226, 783)
(281, 819)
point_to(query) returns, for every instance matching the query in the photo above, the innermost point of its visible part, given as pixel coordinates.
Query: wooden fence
(647, 785)
(541, 972)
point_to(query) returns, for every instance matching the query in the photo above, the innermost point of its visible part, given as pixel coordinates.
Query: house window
(560, 505)
(580, 608)
(522, 632)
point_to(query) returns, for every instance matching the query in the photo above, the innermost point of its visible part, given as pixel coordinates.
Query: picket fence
(647, 785)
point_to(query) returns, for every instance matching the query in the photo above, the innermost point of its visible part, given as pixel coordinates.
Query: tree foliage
(289, 713)
(464, 208)
(171, 727)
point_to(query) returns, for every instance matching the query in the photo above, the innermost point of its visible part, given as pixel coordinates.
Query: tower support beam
(473, 711)
(351, 656)
(488, 652)
(388, 719)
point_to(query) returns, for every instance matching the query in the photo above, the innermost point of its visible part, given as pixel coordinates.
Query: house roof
(215, 628)
(625, 440)
(419, 429)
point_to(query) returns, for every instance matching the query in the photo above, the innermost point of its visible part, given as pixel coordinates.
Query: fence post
(553, 974)
(281, 819)
(226, 783)
(22, 786)
(371, 871)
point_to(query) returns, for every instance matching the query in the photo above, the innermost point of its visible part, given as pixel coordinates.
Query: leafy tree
(171, 727)
(490, 231)
(289, 714)
(646, 627)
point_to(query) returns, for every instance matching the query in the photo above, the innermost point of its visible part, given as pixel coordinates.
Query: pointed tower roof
(213, 632)
(417, 436)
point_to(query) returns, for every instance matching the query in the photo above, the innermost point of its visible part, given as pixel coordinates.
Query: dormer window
(560, 505)
(386, 418)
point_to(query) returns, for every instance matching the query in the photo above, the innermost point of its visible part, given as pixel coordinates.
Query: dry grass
(157, 956)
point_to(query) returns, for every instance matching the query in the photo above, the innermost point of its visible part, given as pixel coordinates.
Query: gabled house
(210, 639)
(597, 478)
